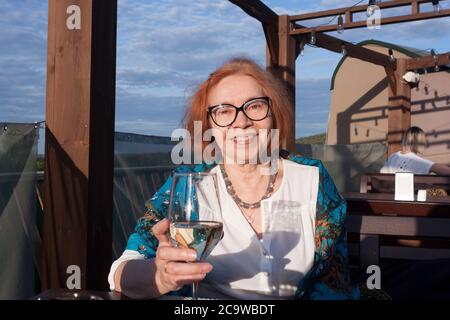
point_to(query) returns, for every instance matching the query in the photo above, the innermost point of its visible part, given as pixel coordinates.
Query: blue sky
(165, 48)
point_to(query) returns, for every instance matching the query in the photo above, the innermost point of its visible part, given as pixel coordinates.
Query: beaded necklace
(243, 204)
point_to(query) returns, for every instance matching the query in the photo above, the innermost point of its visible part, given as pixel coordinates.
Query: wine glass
(195, 214)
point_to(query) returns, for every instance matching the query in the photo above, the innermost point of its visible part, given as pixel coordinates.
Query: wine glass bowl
(195, 213)
(202, 236)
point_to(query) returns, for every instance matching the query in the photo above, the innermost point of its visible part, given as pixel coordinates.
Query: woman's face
(241, 140)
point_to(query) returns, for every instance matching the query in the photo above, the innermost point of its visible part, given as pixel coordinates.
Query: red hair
(280, 106)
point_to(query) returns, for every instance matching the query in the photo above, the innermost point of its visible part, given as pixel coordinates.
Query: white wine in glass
(195, 196)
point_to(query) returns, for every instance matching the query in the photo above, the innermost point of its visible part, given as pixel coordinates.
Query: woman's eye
(223, 111)
(255, 106)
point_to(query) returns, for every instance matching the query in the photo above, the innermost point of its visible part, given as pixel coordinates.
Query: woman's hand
(172, 268)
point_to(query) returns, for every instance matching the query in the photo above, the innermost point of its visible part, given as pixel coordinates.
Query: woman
(408, 160)
(306, 259)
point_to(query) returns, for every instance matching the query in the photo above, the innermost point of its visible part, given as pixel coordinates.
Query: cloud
(313, 104)
(136, 113)
(129, 77)
(23, 60)
(169, 35)
(166, 48)
(22, 91)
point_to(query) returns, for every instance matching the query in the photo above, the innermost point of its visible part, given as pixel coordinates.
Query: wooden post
(79, 146)
(285, 67)
(399, 114)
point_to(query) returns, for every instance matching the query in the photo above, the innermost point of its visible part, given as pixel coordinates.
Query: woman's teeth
(242, 139)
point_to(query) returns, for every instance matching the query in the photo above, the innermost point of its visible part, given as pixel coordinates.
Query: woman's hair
(414, 138)
(280, 105)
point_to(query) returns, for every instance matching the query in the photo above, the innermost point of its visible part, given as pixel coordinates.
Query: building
(359, 102)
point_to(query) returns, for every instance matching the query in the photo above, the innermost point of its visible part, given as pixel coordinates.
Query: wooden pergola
(80, 112)
(285, 37)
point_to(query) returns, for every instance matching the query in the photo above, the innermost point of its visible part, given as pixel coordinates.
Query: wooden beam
(285, 70)
(399, 111)
(383, 21)
(269, 21)
(415, 9)
(258, 10)
(355, 51)
(355, 9)
(272, 44)
(428, 61)
(79, 146)
(348, 17)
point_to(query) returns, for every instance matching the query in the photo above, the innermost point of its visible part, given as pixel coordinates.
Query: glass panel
(346, 163)
(141, 165)
(19, 239)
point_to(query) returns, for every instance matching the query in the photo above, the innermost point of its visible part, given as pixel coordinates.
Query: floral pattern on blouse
(328, 278)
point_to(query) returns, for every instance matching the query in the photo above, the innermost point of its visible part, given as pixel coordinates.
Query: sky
(165, 48)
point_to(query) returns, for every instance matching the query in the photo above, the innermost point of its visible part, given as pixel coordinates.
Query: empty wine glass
(195, 214)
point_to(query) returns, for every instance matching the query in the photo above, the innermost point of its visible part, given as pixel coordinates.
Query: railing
(132, 187)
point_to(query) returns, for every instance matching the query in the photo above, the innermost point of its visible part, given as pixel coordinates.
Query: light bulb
(436, 6)
(370, 8)
(391, 55)
(340, 27)
(312, 40)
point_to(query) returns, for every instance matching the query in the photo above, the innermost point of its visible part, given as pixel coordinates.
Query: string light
(340, 27)
(312, 40)
(436, 6)
(391, 55)
(370, 8)
(343, 50)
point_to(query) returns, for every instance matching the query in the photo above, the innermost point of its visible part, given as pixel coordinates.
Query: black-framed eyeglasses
(225, 114)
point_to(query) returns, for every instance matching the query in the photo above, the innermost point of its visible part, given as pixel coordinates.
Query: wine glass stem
(195, 291)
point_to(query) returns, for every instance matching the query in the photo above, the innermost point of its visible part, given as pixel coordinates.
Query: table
(376, 215)
(66, 294)
(384, 204)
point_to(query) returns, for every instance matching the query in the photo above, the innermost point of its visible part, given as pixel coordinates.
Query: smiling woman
(284, 234)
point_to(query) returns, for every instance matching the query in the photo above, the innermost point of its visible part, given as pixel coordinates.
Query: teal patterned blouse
(328, 279)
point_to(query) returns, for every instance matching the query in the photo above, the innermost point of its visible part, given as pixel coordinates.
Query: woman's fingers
(181, 268)
(160, 231)
(176, 254)
(173, 271)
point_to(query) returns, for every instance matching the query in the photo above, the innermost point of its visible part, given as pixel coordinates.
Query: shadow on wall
(357, 116)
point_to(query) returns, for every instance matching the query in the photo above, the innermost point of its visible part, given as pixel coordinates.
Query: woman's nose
(241, 120)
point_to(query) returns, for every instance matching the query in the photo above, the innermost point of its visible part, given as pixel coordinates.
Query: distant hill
(314, 139)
